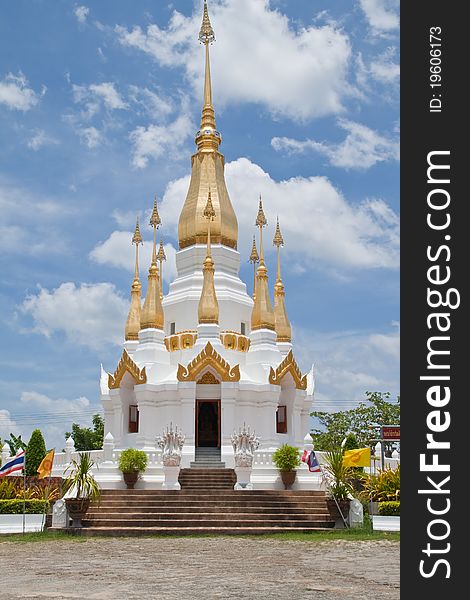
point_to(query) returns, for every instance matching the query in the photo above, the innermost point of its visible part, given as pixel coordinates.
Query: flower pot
(335, 513)
(77, 508)
(288, 478)
(130, 479)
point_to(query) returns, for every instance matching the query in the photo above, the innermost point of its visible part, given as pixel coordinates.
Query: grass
(39, 536)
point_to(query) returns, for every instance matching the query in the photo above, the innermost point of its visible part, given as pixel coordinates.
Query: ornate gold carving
(183, 340)
(232, 340)
(208, 356)
(126, 364)
(208, 379)
(288, 365)
(262, 316)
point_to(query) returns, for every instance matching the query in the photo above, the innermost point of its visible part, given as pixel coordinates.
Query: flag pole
(24, 492)
(325, 478)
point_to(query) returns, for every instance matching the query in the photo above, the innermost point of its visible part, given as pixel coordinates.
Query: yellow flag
(45, 468)
(357, 458)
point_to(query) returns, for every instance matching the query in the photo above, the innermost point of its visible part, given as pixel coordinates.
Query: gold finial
(152, 313)
(262, 316)
(206, 34)
(208, 309)
(161, 256)
(155, 220)
(282, 325)
(254, 258)
(133, 319)
(278, 239)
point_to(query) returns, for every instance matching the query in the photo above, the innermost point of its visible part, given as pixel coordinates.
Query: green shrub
(382, 487)
(389, 509)
(35, 452)
(351, 442)
(132, 460)
(7, 489)
(286, 458)
(15, 507)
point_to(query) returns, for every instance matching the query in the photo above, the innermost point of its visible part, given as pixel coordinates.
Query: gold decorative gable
(208, 356)
(126, 364)
(208, 379)
(288, 365)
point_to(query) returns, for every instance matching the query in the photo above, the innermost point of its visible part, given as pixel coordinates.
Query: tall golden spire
(208, 309)
(283, 328)
(262, 316)
(161, 256)
(133, 319)
(207, 171)
(254, 258)
(152, 313)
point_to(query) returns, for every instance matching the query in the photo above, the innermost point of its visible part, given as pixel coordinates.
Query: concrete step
(252, 493)
(262, 510)
(180, 531)
(177, 523)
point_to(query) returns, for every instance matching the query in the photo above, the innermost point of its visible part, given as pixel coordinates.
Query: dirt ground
(200, 568)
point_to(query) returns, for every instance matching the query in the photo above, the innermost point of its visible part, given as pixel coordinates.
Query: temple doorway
(208, 423)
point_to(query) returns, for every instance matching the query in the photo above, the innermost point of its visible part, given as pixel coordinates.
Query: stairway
(206, 510)
(207, 479)
(206, 457)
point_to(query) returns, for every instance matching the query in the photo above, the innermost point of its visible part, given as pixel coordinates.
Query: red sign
(391, 432)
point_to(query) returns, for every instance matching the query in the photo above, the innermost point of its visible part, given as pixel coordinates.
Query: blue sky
(99, 103)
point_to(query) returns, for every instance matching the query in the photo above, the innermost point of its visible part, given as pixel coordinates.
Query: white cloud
(150, 102)
(384, 69)
(349, 363)
(90, 136)
(92, 314)
(307, 79)
(117, 251)
(15, 93)
(7, 425)
(361, 149)
(320, 227)
(81, 12)
(155, 140)
(95, 95)
(39, 139)
(382, 15)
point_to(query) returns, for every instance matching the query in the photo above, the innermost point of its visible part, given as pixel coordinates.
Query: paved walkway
(200, 569)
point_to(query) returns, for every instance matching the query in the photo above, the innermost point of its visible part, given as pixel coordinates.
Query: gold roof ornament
(254, 258)
(133, 319)
(283, 328)
(208, 309)
(288, 365)
(126, 365)
(262, 316)
(207, 172)
(152, 312)
(208, 357)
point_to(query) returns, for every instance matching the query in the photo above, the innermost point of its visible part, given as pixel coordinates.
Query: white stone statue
(59, 514)
(245, 444)
(171, 443)
(356, 513)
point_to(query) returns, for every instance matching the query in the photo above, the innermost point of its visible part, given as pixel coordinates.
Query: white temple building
(208, 357)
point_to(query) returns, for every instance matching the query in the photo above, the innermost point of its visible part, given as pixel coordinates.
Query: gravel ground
(200, 568)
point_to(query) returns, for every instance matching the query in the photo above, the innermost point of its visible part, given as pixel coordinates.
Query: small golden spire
(208, 309)
(161, 256)
(206, 137)
(133, 319)
(262, 316)
(254, 258)
(282, 325)
(206, 34)
(152, 313)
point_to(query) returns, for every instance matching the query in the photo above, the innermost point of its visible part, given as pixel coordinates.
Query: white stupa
(207, 357)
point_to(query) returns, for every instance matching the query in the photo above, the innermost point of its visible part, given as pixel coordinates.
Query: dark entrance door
(208, 423)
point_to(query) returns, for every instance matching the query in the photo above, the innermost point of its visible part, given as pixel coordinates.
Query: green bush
(286, 458)
(15, 507)
(382, 487)
(389, 509)
(35, 452)
(132, 460)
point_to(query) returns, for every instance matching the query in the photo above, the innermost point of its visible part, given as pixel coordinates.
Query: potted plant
(82, 487)
(131, 463)
(339, 483)
(287, 459)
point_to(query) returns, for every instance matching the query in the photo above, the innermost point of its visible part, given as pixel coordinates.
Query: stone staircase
(207, 458)
(213, 507)
(207, 479)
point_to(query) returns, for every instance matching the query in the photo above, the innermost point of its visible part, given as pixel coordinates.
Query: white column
(187, 394)
(228, 398)
(69, 448)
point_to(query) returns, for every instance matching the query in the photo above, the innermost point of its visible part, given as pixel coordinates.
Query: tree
(16, 444)
(360, 421)
(85, 438)
(35, 452)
